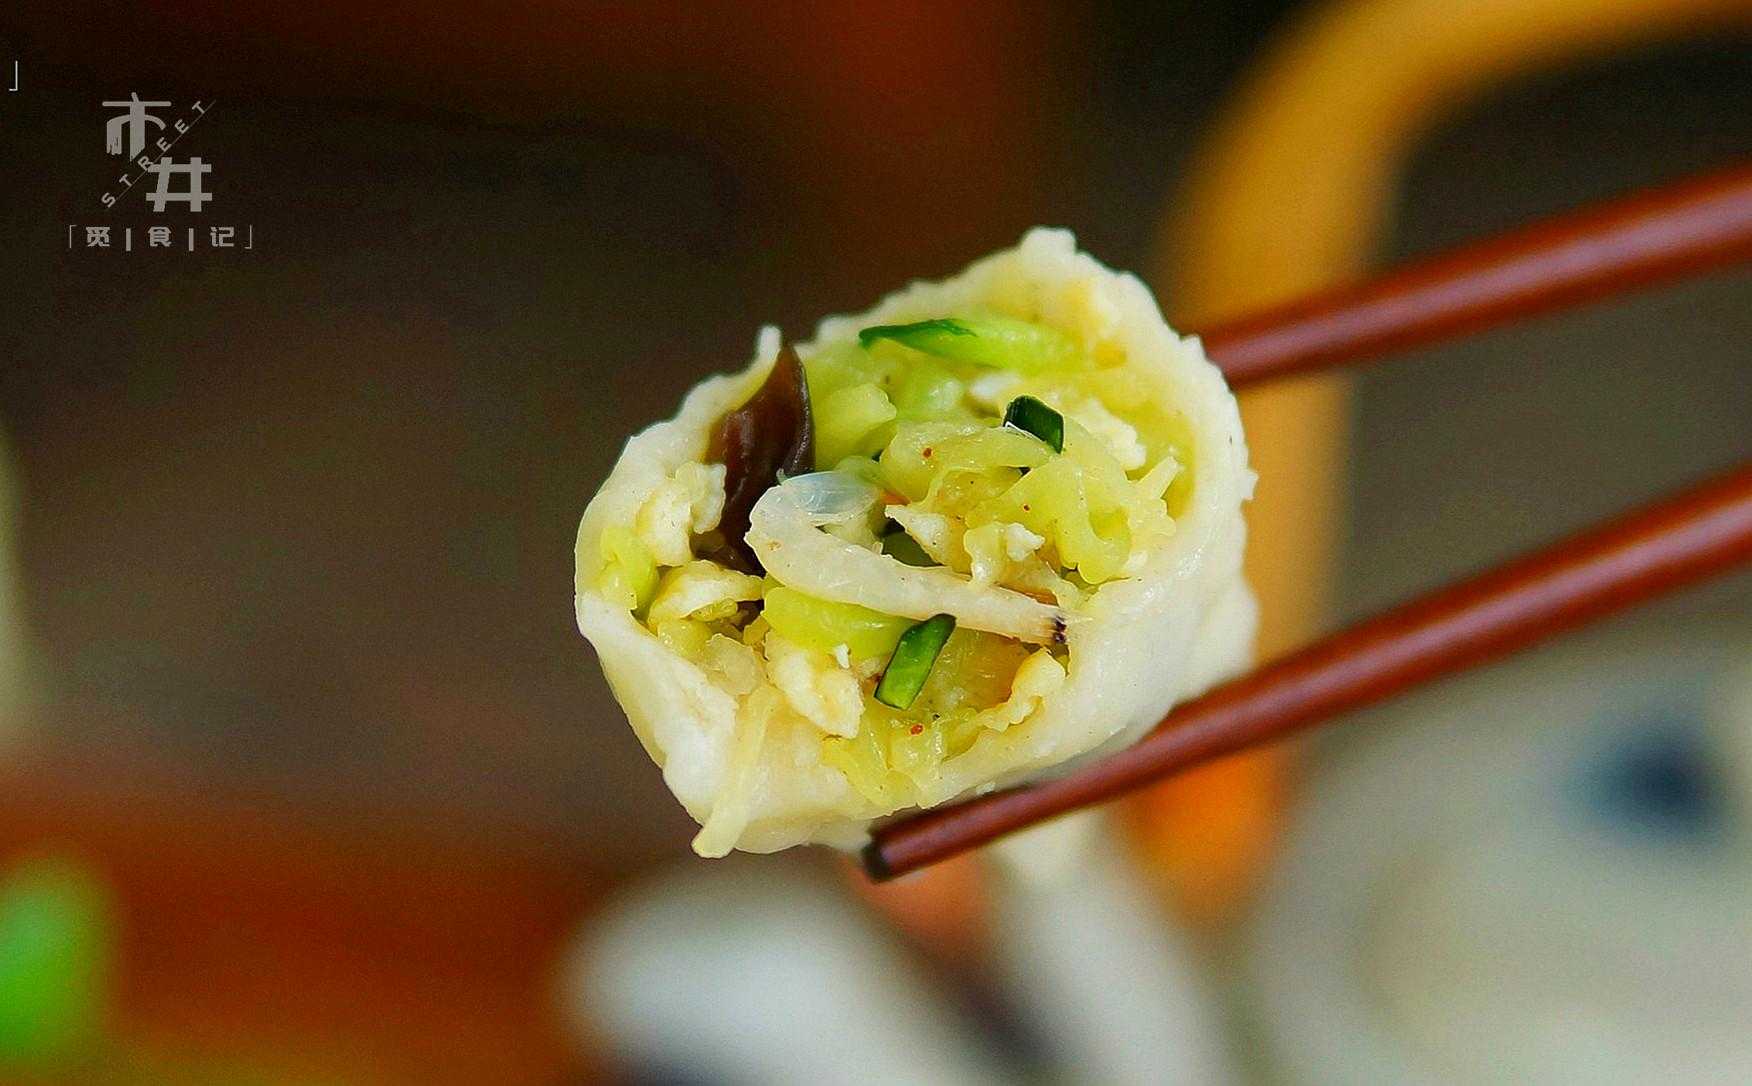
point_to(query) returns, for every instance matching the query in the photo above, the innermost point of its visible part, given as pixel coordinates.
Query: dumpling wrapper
(1138, 646)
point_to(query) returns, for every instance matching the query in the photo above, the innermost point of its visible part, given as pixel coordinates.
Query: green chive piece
(905, 549)
(913, 658)
(1030, 415)
(917, 332)
(989, 340)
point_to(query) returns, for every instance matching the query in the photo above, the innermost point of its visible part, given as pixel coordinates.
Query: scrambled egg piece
(701, 590)
(824, 693)
(687, 503)
(934, 532)
(992, 550)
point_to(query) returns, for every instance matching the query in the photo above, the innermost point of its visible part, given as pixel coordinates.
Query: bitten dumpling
(984, 531)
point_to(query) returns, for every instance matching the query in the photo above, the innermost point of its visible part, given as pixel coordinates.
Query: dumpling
(983, 532)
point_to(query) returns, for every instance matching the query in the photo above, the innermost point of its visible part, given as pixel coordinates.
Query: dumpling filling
(891, 539)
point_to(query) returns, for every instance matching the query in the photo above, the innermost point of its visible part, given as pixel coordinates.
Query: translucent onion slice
(781, 531)
(833, 497)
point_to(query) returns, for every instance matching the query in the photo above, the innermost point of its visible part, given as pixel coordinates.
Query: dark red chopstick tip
(875, 863)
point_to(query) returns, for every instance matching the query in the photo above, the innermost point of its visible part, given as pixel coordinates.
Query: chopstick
(1651, 237)
(1704, 531)
(1642, 240)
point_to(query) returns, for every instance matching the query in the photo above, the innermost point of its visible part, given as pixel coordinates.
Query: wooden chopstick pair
(1658, 236)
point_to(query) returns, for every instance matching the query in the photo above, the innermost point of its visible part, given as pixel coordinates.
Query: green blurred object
(56, 951)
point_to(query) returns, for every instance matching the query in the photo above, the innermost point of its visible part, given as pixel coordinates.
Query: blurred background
(306, 776)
